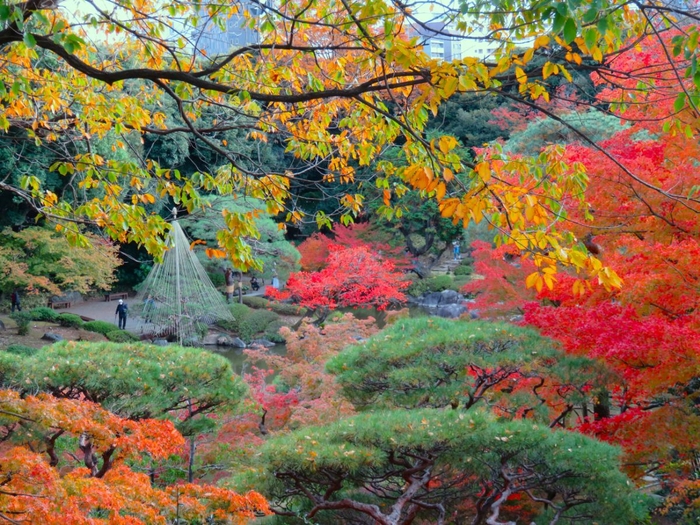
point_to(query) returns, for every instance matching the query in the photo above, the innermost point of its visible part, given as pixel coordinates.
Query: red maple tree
(353, 277)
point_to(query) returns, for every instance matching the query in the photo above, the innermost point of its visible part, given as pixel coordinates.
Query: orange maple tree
(68, 461)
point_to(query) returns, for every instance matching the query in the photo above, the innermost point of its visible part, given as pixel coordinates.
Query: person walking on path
(14, 298)
(455, 250)
(122, 310)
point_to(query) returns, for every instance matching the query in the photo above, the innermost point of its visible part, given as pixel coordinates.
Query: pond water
(240, 363)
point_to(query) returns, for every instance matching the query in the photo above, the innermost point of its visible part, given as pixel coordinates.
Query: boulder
(451, 311)
(237, 342)
(71, 297)
(160, 342)
(430, 300)
(222, 340)
(50, 336)
(2, 327)
(451, 297)
(211, 339)
(262, 342)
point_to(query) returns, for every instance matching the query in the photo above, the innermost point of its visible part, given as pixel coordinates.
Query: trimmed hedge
(21, 350)
(44, 313)
(248, 322)
(70, 320)
(120, 336)
(272, 332)
(101, 327)
(255, 301)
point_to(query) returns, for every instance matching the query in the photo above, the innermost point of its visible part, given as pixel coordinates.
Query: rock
(450, 311)
(451, 297)
(71, 297)
(211, 339)
(237, 342)
(160, 342)
(262, 342)
(2, 327)
(50, 336)
(431, 300)
(222, 340)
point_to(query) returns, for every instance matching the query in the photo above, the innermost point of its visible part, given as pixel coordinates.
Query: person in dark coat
(122, 310)
(14, 298)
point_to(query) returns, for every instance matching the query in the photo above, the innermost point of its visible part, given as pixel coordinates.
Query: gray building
(438, 40)
(211, 40)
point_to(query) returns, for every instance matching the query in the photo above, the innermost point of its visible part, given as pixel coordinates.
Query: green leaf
(590, 37)
(570, 30)
(603, 25)
(679, 104)
(590, 15)
(558, 23)
(29, 40)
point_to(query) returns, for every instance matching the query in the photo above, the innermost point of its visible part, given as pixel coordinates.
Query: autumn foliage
(65, 461)
(316, 248)
(352, 277)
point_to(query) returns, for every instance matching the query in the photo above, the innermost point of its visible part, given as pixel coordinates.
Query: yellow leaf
(532, 279)
(520, 75)
(440, 191)
(484, 171)
(448, 207)
(541, 41)
(214, 253)
(448, 174)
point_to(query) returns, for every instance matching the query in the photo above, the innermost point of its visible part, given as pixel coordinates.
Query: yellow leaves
(295, 216)
(542, 278)
(520, 75)
(145, 198)
(447, 143)
(448, 207)
(549, 69)
(484, 171)
(196, 242)
(541, 41)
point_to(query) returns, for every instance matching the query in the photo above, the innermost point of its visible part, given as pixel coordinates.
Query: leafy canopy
(133, 380)
(335, 93)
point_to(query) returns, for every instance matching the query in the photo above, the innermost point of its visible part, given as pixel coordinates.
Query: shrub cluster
(21, 350)
(249, 322)
(23, 319)
(70, 320)
(436, 283)
(255, 301)
(101, 327)
(44, 313)
(120, 336)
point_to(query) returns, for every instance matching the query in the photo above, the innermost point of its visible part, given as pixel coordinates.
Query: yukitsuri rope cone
(177, 299)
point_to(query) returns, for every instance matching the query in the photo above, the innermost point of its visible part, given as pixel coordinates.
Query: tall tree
(336, 85)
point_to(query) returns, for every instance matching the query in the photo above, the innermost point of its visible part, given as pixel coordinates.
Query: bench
(59, 304)
(118, 295)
